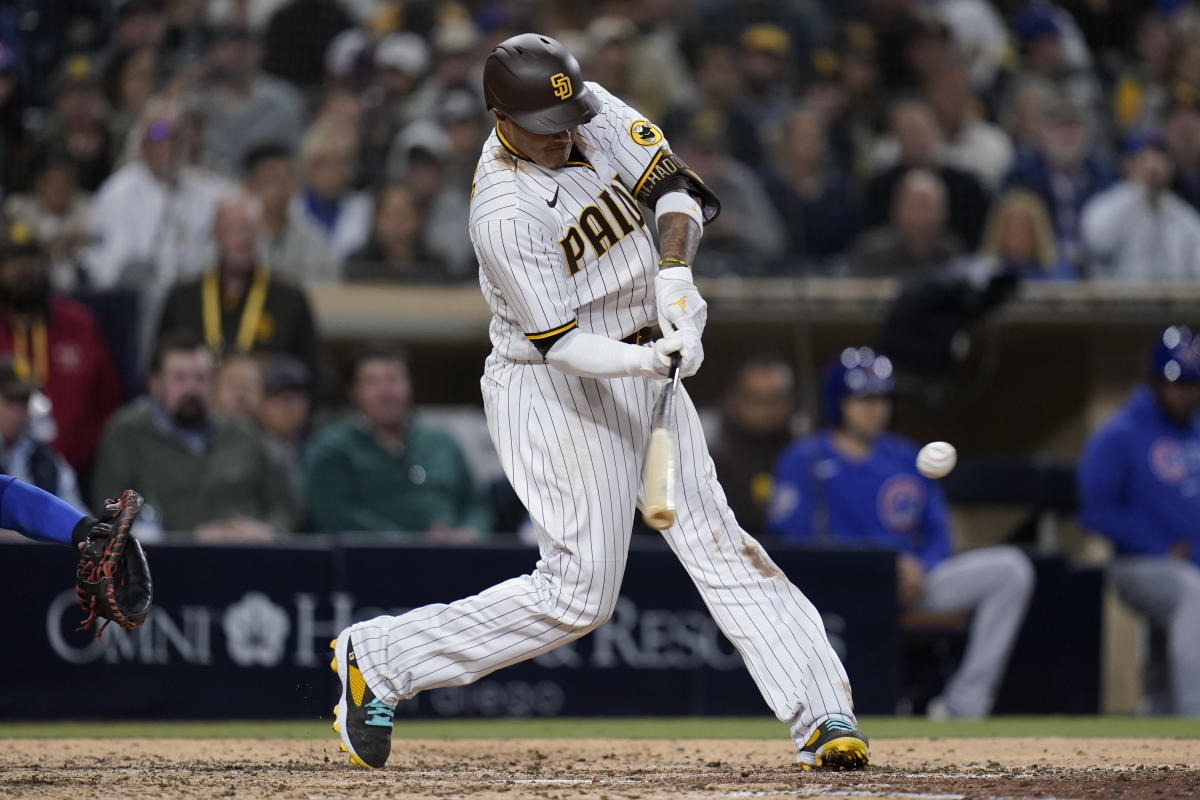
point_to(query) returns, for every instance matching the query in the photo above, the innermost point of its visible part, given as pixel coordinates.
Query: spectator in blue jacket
(854, 484)
(1139, 485)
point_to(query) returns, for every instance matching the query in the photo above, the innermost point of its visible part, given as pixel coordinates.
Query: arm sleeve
(589, 355)
(790, 512)
(527, 265)
(936, 541)
(1103, 507)
(35, 513)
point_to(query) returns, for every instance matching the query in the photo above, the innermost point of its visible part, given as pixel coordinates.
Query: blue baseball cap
(1035, 21)
(1139, 139)
(1176, 356)
(856, 372)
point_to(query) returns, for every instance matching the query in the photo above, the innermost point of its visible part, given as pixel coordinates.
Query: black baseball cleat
(836, 745)
(362, 720)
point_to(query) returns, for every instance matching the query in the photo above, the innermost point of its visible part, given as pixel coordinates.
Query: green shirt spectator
(357, 484)
(382, 470)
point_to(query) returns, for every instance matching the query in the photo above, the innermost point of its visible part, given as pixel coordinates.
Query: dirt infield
(597, 769)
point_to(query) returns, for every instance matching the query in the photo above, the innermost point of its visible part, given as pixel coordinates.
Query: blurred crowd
(879, 137)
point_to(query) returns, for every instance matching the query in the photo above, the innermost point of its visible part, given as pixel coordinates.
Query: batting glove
(680, 306)
(686, 342)
(648, 361)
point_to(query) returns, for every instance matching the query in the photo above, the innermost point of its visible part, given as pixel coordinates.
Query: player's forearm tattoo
(678, 237)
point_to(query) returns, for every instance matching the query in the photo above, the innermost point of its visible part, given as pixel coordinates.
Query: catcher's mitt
(113, 576)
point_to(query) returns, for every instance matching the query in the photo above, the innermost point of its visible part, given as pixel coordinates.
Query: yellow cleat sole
(841, 754)
(354, 759)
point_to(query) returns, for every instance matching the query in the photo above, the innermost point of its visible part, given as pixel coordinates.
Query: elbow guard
(667, 173)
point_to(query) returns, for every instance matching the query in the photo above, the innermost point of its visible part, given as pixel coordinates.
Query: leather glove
(112, 578)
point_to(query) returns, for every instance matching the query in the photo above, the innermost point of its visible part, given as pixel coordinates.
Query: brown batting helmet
(536, 82)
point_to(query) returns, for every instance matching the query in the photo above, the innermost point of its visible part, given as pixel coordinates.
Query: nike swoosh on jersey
(554, 201)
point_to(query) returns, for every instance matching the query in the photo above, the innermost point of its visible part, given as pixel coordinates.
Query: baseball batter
(575, 282)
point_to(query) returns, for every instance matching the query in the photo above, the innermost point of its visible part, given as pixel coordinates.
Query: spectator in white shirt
(152, 219)
(967, 143)
(327, 157)
(1139, 230)
(972, 144)
(291, 242)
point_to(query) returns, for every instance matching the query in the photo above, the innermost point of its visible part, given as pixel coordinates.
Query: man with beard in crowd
(198, 471)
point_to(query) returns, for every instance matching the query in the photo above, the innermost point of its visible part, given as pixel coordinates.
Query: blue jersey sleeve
(35, 513)
(1103, 478)
(790, 512)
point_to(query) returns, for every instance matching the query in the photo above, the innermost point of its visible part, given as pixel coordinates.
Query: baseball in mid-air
(936, 459)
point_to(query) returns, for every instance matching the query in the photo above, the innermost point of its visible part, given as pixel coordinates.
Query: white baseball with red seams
(567, 247)
(936, 459)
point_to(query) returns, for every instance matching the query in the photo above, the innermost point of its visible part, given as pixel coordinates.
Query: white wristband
(679, 202)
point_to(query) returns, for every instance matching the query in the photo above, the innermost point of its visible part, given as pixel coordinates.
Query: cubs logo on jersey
(901, 502)
(645, 133)
(1167, 461)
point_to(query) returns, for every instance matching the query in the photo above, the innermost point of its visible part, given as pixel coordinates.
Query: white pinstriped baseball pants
(573, 449)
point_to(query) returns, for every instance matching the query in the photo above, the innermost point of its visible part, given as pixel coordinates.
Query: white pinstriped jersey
(563, 246)
(559, 248)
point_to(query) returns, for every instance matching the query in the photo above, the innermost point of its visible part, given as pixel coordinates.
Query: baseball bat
(661, 473)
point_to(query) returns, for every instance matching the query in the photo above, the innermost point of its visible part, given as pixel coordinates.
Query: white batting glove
(649, 361)
(686, 342)
(680, 306)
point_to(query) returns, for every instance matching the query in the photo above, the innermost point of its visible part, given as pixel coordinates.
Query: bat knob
(660, 520)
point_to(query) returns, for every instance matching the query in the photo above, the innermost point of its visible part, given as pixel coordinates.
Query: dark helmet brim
(560, 116)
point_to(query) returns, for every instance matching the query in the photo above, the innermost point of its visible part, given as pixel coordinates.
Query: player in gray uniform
(575, 282)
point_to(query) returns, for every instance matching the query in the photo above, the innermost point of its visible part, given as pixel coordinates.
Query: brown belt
(644, 335)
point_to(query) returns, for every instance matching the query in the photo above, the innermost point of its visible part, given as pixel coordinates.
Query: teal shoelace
(839, 725)
(380, 713)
